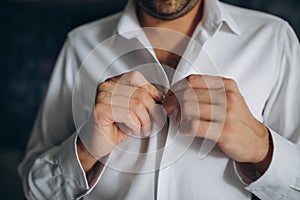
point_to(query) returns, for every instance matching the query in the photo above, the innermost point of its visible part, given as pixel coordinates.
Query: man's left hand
(212, 107)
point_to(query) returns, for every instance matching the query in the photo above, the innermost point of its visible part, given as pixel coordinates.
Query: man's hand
(124, 106)
(213, 108)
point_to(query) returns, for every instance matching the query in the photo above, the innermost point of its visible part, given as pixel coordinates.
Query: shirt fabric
(259, 51)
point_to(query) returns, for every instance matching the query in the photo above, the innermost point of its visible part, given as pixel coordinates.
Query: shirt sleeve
(282, 117)
(51, 168)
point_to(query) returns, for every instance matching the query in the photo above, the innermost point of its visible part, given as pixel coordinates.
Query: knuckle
(103, 86)
(138, 105)
(151, 89)
(100, 95)
(231, 97)
(230, 83)
(142, 94)
(131, 114)
(98, 109)
(103, 95)
(135, 74)
(192, 78)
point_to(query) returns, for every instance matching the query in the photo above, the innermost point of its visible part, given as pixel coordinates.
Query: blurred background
(31, 35)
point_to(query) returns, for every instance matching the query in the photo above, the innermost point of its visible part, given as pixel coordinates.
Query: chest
(167, 58)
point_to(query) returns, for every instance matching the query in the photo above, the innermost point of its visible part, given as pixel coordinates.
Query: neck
(185, 24)
(169, 45)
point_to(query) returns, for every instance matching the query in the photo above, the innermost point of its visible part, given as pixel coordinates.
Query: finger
(124, 129)
(202, 129)
(135, 105)
(107, 115)
(157, 112)
(200, 95)
(132, 92)
(102, 95)
(231, 85)
(171, 104)
(127, 91)
(136, 79)
(198, 81)
(201, 111)
(152, 107)
(175, 100)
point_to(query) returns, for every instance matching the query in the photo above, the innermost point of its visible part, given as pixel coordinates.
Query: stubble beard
(167, 9)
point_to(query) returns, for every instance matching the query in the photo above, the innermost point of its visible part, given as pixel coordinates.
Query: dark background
(31, 35)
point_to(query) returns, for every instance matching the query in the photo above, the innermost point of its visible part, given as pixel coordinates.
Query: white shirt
(259, 51)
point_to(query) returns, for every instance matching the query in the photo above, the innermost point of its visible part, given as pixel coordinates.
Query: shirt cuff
(72, 170)
(282, 173)
(71, 167)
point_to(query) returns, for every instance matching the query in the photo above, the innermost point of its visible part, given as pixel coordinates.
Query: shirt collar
(129, 24)
(214, 16)
(228, 18)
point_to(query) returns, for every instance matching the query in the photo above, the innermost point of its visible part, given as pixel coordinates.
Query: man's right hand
(124, 106)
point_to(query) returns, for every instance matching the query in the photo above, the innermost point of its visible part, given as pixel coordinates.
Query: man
(247, 108)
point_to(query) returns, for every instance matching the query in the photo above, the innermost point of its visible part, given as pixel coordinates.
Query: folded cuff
(281, 174)
(71, 167)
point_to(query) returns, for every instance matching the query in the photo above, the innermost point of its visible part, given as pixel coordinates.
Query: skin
(242, 137)
(123, 108)
(167, 9)
(184, 25)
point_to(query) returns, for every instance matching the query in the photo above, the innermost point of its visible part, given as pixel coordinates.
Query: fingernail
(158, 94)
(168, 93)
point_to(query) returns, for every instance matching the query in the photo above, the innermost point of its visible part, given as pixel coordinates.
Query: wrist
(251, 171)
(262, 164)
(86, 159)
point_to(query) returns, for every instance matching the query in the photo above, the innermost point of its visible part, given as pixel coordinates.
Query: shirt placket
(176, 144)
